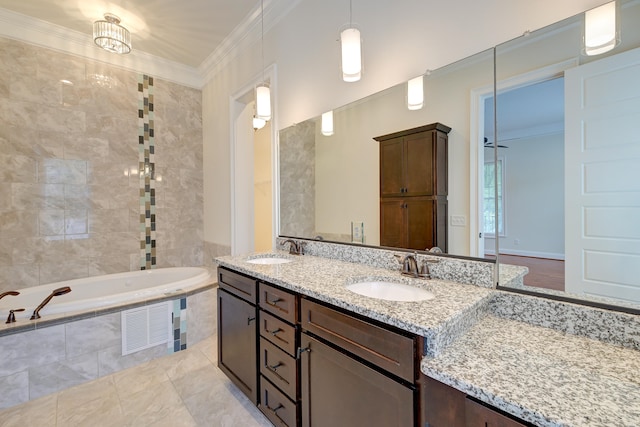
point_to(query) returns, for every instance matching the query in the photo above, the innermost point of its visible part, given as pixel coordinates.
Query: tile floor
(182, 389)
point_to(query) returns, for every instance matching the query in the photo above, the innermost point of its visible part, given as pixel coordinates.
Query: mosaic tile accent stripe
(146, 168)
(179, 341)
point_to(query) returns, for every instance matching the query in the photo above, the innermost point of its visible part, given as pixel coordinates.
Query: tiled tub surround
(455, 307)
(69, 161)
(574, 371)
(571, 375)
(66, 351)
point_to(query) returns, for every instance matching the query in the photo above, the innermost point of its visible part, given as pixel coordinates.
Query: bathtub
(110, 290)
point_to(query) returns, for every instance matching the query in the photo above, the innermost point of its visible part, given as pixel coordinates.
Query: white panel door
(602, 177)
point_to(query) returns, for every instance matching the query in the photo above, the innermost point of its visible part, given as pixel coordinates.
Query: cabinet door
(237, 355)
(339, 391)
(393, 229)
(420, 219)
(419, 164)
(392, 181)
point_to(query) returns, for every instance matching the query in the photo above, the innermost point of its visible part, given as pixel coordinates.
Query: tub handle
(12, 316)
(250, 319)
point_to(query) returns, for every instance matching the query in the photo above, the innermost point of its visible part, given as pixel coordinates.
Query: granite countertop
(539, 374)
(542, 375)
(440, 320)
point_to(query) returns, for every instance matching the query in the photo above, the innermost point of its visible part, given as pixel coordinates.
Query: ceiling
(184, 31)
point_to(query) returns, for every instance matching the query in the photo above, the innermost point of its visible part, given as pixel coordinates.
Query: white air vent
(146, 327)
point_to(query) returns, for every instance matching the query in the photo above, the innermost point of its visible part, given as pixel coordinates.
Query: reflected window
(490, 197)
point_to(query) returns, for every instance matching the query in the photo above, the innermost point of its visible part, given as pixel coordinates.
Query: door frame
(237, 103)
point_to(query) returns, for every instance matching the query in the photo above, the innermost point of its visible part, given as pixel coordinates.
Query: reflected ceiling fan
(488, 144)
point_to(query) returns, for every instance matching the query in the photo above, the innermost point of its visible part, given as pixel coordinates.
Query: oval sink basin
(268, 260)
(390, 291)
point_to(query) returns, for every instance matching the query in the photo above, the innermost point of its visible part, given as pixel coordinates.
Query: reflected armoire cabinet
(413, 187)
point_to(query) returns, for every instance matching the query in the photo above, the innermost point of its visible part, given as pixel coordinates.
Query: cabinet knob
(250, 319)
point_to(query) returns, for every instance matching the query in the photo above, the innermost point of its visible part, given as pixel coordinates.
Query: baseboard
(532, 254)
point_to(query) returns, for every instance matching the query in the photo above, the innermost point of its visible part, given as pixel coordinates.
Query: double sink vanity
(317, 340)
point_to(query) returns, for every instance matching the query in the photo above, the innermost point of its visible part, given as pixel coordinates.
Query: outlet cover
(458, 220)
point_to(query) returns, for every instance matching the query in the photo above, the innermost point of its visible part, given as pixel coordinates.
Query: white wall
(534, 201)
(402, 39)
(262, 194)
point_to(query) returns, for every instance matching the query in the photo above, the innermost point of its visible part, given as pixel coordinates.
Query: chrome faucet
(55, 293)
(295, 248)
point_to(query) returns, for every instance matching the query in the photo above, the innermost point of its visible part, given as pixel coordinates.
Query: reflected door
(602, 186)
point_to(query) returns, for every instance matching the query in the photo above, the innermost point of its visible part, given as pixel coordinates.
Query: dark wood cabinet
(444, 406)
(305, 362)
(237, 356)
(337, 390)
(414, 187)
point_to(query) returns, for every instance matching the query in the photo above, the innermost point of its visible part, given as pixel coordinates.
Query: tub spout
(55, 293)
(13, 293)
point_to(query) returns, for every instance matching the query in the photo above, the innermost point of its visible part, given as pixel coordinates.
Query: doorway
(254, 168)
(529, 223)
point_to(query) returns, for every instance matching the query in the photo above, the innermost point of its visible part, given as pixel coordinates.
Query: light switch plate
(458, 221)
(357, 232)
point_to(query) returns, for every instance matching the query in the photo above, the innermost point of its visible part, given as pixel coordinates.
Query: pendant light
(600, 29)
(351, 51)
(415, 93)
(263, 92)
(327, 123)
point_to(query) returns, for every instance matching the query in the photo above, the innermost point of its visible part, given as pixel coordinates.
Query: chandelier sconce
(351, 51)
(601, 29)
(110, 35)
(326, 126)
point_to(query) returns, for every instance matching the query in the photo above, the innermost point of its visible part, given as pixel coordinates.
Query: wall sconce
(415, 93)
(112, 36)
(600, 29)
(351, 51)
(327, 123)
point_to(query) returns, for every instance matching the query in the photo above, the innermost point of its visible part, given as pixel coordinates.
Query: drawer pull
(302, 350)
(275, 367)
(250, 319)
(276, 332)
(276, 409)
(275, 302)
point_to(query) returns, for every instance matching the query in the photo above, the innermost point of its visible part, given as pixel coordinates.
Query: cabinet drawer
(278, 332)
(478, 415)
(281, 411)
(278, 302)
(388, 350)
(280, 368)
(237, 284)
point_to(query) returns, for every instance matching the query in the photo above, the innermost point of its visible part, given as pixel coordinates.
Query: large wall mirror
(566, 155)
(569, 151)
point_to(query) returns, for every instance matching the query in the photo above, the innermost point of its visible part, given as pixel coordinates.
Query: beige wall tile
(69, 161)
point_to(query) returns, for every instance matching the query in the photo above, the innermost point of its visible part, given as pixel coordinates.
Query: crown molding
(245, 34)
(45, 34)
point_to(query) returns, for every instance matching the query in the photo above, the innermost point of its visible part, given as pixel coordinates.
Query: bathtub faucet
(13, 293)
(55, 293)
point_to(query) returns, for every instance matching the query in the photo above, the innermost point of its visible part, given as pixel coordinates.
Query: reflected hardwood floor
(543, 273)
